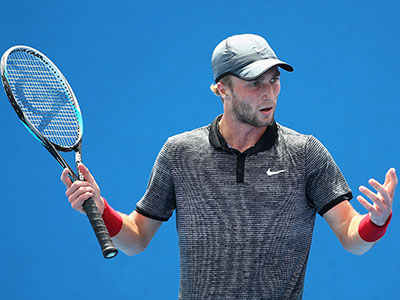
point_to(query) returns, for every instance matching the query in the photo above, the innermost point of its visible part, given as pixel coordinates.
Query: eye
(274, 79)
(254, 83)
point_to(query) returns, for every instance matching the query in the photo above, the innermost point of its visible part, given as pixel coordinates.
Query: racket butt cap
(110, 252)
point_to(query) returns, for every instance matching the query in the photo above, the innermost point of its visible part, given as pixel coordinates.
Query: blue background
(141, 72)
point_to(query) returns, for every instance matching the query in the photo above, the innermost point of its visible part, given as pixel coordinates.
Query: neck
(238, 135)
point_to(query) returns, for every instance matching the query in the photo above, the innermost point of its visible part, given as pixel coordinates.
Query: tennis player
(246, 190)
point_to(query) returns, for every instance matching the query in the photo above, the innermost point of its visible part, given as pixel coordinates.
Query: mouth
(266, 110)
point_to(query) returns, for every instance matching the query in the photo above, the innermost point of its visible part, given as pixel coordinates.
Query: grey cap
(246, 56)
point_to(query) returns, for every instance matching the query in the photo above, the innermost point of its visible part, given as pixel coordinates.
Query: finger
(79, 192)
(373, 197)
(366, 204)
(394, 175)
(86, 174)
(391, 182)
(76, 186)
(388, 178)
(385, 198)
(78, 203)
(380, 189)
(391, 175)
(65, 179)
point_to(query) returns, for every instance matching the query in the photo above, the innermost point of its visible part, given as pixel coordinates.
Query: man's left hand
(382, 200)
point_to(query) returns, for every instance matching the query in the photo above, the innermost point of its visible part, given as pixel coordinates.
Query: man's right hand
(138, 230)
(79, 191)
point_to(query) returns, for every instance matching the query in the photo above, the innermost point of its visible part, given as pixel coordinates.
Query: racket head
(42, 97)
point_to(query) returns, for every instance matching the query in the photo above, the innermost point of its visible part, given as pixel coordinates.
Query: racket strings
(44, 98)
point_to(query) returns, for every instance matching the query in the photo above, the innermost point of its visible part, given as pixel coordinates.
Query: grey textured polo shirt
(244, 220)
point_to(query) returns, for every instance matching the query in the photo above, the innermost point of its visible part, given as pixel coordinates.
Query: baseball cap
(246, 56)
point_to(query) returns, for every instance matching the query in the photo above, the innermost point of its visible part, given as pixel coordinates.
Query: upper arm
(158, 202)
(325, 184)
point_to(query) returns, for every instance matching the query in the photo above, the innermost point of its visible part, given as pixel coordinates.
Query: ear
(223, 90)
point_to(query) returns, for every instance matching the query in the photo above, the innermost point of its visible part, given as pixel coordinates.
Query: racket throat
(78, 160)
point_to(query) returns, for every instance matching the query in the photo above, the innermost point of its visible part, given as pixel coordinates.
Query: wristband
(369, 231)
(112, 219)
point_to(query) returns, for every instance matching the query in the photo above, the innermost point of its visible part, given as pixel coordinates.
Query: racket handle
(106, 244)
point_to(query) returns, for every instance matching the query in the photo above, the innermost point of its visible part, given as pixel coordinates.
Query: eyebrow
(276, 73)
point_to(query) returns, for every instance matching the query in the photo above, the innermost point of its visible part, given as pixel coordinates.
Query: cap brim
(257, 68)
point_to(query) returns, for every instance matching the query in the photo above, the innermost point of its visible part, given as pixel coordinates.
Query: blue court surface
(141, 72)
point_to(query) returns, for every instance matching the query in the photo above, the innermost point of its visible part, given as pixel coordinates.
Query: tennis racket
(46, 105)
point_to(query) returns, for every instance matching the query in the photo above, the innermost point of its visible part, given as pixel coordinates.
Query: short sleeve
(326, 185)
(159, 200)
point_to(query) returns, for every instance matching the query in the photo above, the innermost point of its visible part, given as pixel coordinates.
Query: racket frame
(108, 248)
(51, 147)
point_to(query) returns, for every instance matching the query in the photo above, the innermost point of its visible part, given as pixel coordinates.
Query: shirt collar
(264, 143)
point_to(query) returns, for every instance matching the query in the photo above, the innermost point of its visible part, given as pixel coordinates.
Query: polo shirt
(244, 220)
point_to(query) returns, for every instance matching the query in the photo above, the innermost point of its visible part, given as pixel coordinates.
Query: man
(246, 190)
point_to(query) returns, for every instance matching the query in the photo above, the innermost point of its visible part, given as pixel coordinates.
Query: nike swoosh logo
(270, 173)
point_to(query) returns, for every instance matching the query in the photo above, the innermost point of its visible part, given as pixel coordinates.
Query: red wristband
(369, 231)
(112, 219)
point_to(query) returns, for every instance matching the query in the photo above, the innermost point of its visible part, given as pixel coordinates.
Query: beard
(246, 114)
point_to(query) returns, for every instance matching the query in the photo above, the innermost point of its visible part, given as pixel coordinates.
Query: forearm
(363, 233)
(352, 241)
(131, 239)
(345, 223)
(131, 233)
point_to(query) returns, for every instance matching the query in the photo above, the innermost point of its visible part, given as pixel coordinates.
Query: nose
(267, 92)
